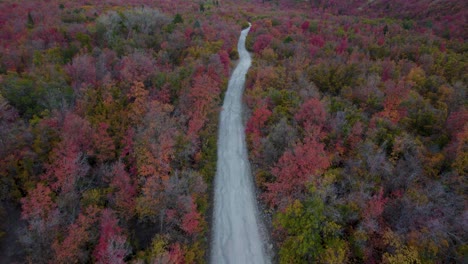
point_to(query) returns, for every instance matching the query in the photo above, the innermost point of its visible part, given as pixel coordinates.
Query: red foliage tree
(342, 46)
(125, 192)
(376, 205)
(456, 121)
(262, 42)
(203, 94)
(225, 60)
(72, 249)
(294, 170)
(43, 222)
(191, 220)
(176, 254)
(137, 67)
(255, 125)
(395, 93)
(312, 116)
(305, 26)
(112, 246)
(76, 131)
(457, 125)
(373, 220)
(68, 157)
(37, 206)
(82, 71)
(103, 145)
(317, 41)
(355, 136)
(46, 37)
(166, 150)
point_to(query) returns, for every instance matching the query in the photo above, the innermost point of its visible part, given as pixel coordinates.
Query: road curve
(236, 225)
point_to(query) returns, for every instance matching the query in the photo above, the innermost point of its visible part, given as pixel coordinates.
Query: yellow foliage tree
(402, 254)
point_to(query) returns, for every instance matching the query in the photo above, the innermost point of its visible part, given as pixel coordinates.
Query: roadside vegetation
(356, 124)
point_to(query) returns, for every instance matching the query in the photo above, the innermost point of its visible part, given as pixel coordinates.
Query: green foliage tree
(178, 19)
(30, 22)
(331, 78)
(310, 236)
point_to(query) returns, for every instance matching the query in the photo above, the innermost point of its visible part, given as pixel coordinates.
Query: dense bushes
(356, 147)
(109, 129)
(357, 128)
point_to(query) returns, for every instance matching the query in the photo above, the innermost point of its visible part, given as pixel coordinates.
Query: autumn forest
(356, 125)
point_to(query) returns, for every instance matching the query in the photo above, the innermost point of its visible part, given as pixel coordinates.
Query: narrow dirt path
(236, 231)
